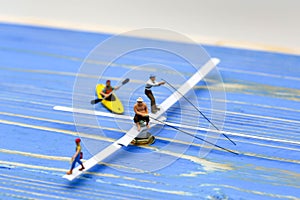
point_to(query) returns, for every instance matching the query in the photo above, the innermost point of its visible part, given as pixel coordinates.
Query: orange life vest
(108, 90)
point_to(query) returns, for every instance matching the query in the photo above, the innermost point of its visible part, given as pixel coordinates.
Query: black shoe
(81, 169)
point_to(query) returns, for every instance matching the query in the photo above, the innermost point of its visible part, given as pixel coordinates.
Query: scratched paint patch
(193, 174)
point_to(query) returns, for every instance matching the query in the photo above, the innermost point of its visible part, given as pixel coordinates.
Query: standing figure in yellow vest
(76, 157)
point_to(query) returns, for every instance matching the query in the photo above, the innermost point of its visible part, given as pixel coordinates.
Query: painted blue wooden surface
(38, 68)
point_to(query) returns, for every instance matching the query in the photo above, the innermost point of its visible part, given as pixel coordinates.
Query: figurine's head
(77, 140)
(152, 77)
(107, 83)
(140, 100)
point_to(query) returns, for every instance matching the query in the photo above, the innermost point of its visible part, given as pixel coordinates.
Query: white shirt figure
(149, 84)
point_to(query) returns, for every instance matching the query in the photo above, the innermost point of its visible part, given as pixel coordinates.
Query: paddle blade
(96, 101)
(125, 81)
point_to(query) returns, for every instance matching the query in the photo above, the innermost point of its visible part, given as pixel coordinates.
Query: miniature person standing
(106, 92)
(149, 84)
(76, 157)
(141, 113)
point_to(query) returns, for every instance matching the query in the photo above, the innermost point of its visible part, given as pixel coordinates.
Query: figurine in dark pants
(141, 113)
(148, 92)
(77, 156)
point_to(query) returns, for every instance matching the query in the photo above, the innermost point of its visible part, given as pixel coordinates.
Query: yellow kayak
(115, 105)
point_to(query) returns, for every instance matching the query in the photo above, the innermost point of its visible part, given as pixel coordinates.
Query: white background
(259, 24)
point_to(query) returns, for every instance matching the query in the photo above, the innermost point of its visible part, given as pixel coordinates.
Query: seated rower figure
(141, 113)
(107, 91)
